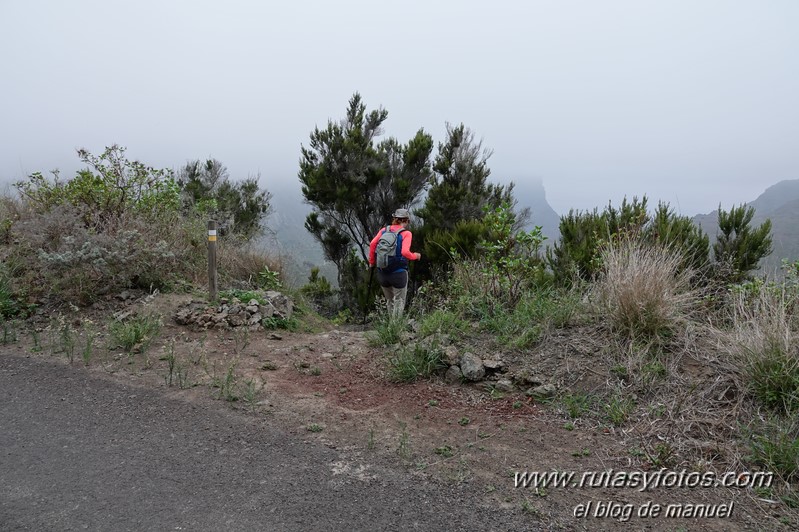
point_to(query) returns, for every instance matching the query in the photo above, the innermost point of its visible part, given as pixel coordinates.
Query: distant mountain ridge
(780, 204)
(531, 193)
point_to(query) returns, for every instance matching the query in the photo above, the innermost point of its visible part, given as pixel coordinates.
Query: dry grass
(240, 263)
(763, 342)
(642, 290)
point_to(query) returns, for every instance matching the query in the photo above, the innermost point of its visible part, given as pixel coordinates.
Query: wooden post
(212, 260)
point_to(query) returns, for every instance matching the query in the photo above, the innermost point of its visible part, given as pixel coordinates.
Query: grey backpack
(389, 249)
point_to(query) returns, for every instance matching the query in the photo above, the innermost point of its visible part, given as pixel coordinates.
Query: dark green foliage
(739, 247)
(680, 233)
(354, 183)
(459, 189)
(458, 198)
(320, 293)
(774, 377)
(414, 362)
(584, 234)
(441, 245)
(775, 447)
(354, 284)
(238, 207)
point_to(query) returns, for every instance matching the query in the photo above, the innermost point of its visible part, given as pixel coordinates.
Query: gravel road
(83, 451)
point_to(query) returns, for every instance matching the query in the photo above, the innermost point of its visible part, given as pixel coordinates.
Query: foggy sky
(693, 102)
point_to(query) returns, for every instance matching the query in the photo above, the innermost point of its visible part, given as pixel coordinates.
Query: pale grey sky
(689, 101)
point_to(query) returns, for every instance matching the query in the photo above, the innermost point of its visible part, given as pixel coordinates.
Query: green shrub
(387, 329)
(739, 247)
(775, 447)
(577, 404)
(412, 363)
(136, 332)
(443, 322)
(320, 292)
(618, 409)
(774, 377)
(763, 341)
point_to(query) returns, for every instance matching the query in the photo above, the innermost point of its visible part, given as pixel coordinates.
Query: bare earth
(316, 437)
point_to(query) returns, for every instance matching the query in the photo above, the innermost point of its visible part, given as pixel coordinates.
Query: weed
(269, 366)
(288, 324)
(88, 347)
(618, 409)
(529, 508)
(442, 322)
(775, 446)
(226, 385)
(517, 405)
(464, 421)
(404, 446)
(314, 427)
(68, 341)
(496, 395)
(388, 330)
(432, 402)
(135, 334)
(249, 392)
(445, 450)
(568, 426)
(577, 404)
(37, 342)
(652, 371)
(316, 371)
(410, 364)
(370, 443)
(9, 332)
(643, 290)
(241, 339)
(176, 372)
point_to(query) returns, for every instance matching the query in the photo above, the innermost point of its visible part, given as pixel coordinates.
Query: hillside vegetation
(691, 354)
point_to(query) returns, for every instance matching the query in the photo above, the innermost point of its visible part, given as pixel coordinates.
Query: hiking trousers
(395, 288)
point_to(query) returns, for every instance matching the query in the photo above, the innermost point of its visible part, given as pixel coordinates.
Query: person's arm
(407, 237)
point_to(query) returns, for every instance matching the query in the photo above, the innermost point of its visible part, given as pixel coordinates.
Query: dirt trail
(322, 405)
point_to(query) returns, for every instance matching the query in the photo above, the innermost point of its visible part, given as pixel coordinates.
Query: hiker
(390, 251)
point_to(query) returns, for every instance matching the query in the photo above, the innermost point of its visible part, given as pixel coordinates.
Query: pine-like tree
(738, 247)
(354, 183)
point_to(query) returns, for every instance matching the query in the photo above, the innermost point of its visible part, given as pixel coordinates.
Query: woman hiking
(390, 251)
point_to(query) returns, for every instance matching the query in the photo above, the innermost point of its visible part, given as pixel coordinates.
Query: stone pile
(233, 313)
(463, 365)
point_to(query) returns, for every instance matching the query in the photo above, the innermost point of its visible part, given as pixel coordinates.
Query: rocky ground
(329, 388)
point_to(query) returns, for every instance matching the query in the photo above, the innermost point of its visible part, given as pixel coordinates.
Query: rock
(526, 379)
(451, 355)
(493, 365)
(252, 302)
(472, 367)
(453, 375)
(543, 391)
(266, 310)
(504, 385)
(406, 337)
(284, 307)
(237, 320)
